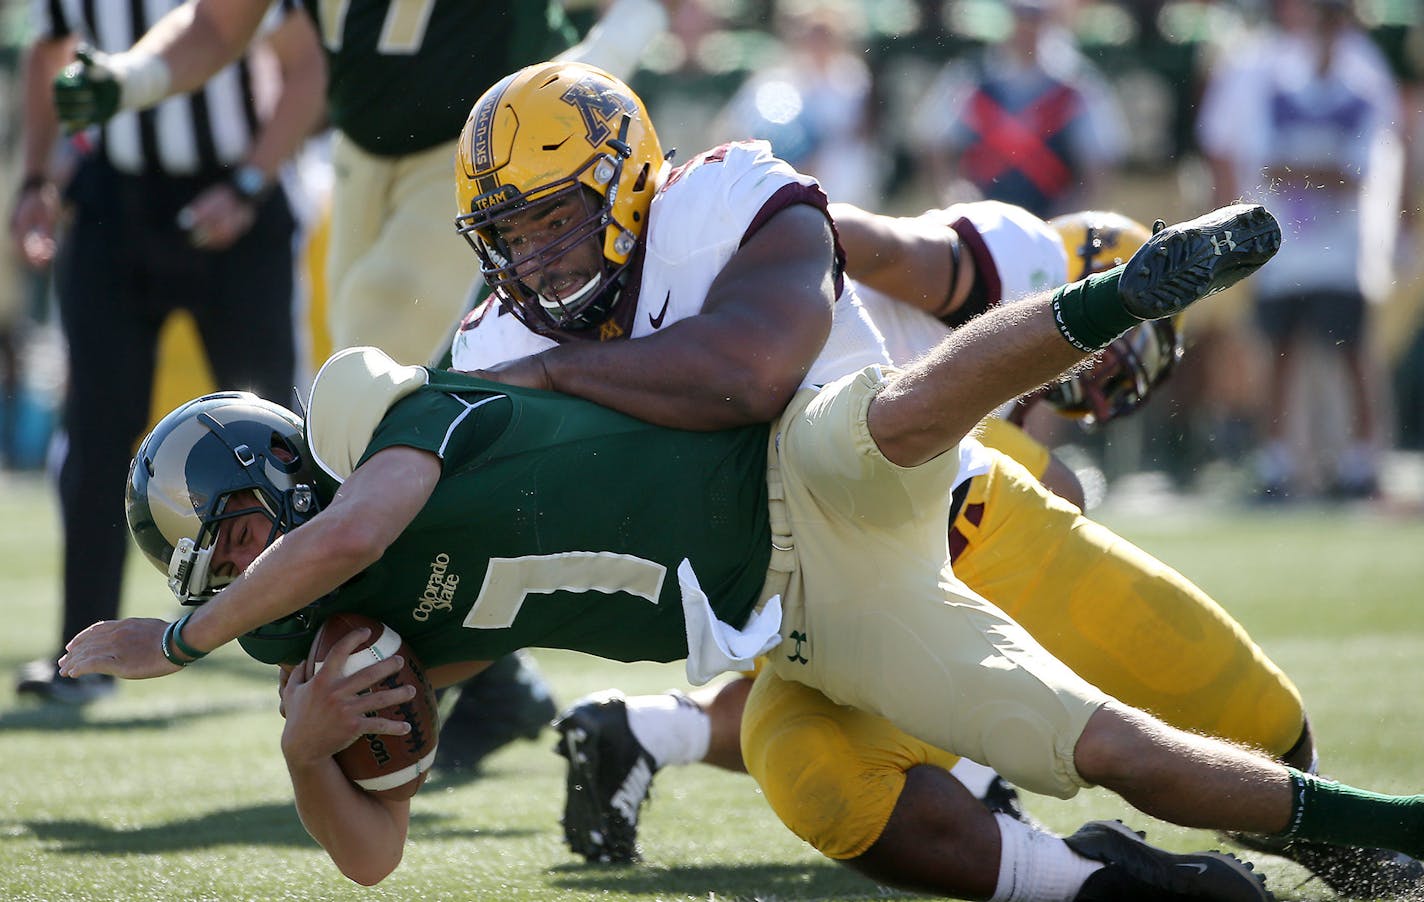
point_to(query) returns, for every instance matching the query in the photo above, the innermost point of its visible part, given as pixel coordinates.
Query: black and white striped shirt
(190, 134)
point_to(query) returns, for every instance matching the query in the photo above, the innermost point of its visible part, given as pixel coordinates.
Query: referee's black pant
(123, 267)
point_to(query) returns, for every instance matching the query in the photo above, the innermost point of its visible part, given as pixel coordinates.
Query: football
(392, 767)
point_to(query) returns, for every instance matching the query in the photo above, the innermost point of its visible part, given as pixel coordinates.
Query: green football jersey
(557, 523)
(403, 74)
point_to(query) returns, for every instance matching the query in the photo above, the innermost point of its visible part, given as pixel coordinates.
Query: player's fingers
(384, 727)
(385, 698)
(88, 634)
(335, 661)
(373, 674)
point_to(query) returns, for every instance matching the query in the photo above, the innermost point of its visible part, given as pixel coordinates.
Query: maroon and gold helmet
(1126, 371)
(550, 132)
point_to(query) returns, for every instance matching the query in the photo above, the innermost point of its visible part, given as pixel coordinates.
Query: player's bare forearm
(325, 712)
(370, 510)
(931, 405)
(687, 377)
(363, 835)
(739, 361)
(909, 259)
(41, 125)
(442, 676)
(373, 506)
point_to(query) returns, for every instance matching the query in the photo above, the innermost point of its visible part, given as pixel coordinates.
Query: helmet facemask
(190, 575)
(1121, 376)
(521, 279)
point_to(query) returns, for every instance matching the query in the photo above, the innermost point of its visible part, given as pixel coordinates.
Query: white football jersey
(697, 221)
(1014, 250)
(700, 216)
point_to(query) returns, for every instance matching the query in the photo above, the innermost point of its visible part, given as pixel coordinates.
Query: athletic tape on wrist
(143, 79)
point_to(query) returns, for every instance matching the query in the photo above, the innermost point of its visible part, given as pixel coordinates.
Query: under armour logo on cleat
(1217, 243)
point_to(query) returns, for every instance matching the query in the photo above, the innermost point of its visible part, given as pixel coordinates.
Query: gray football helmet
(187, 470)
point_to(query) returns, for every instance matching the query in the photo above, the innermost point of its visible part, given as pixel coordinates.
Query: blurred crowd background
(1058, 105)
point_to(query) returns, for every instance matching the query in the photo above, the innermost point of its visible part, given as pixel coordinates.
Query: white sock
(975, 776)
(671, 727)
(1035, 866)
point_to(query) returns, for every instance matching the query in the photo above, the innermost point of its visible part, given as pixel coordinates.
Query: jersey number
(402, 32)
(509, 580)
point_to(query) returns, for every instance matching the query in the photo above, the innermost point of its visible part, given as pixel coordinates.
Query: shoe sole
(1197, 259)
(589, 829)
(1104, 849)
(47, 692)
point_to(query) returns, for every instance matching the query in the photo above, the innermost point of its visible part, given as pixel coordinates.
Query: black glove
(87, 91)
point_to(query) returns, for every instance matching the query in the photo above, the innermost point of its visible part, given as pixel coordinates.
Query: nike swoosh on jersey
(657, 319)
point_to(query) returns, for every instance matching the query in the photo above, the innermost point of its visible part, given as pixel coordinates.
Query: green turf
(174, 789)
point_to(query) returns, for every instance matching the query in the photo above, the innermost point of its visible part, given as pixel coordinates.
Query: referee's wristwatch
(250, 183)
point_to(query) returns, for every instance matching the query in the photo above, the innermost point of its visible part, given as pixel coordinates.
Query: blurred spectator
(813, 101)
(1028, 120)
(175, 207)
(1305, 119)
(688, 72)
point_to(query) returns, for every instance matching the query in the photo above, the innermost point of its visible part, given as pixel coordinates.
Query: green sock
(1089, 313)
(1326, 811)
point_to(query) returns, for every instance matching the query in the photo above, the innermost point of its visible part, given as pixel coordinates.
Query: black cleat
(1002, 797)
(1139, 872)
(1351, 872)
(40, 679)
(506, 702)
(1184, 263)
(609, 776)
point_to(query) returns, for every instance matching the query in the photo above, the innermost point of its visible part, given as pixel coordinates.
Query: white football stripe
(388, 644)
(400, 777)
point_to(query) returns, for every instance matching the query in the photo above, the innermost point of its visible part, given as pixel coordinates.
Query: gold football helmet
(550, 133)
(1127, 370)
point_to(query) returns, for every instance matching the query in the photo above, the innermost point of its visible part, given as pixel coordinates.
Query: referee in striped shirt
(178, 206)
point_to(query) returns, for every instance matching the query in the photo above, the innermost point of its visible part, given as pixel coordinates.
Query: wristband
(166, 646)
(954, 267)
(1089, 313)
(143, 79)
(182, 646)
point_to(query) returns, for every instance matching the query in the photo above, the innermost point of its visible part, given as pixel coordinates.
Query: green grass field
(174, 789)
